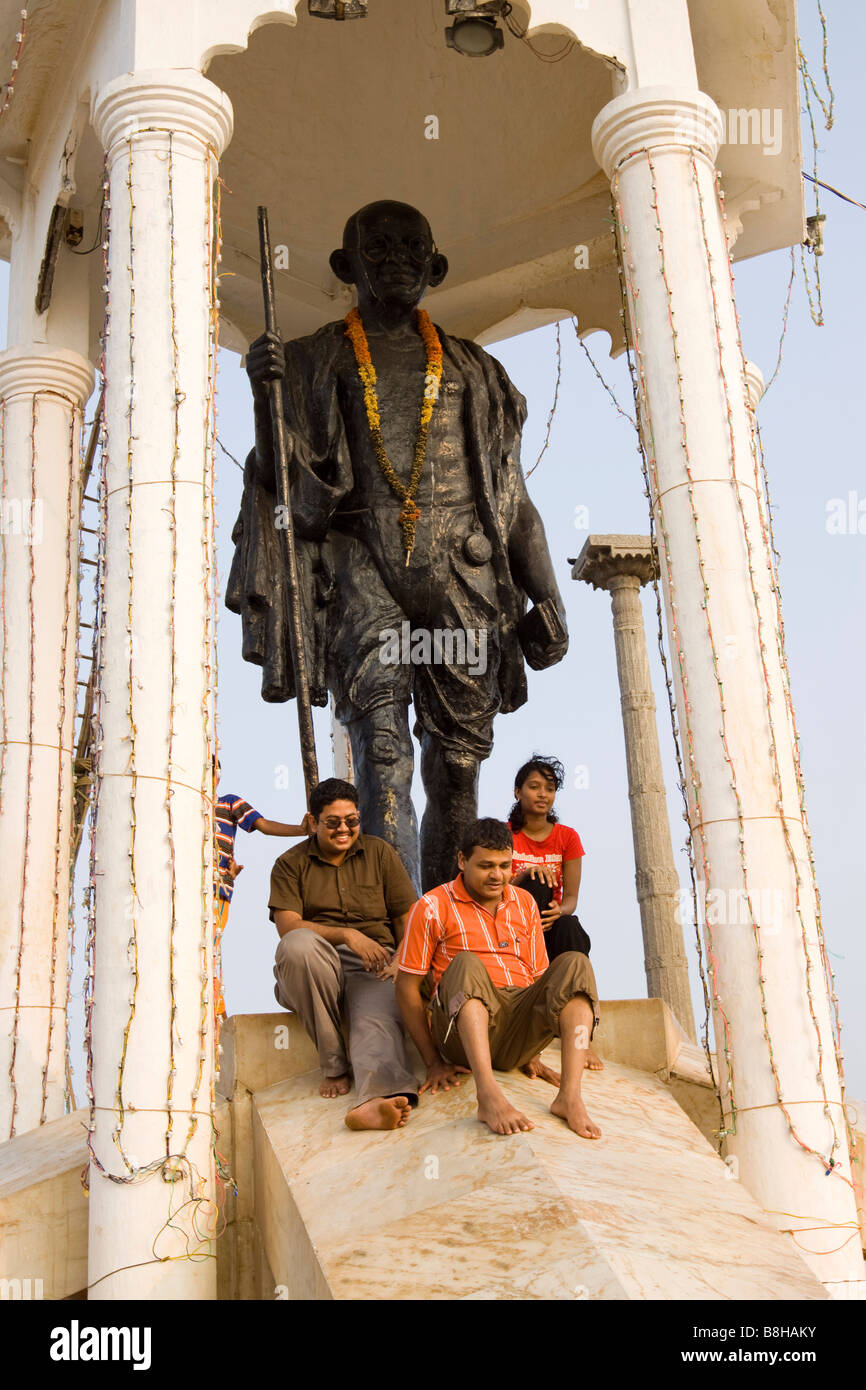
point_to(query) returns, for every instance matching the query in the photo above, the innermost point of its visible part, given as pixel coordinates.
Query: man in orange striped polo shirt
(498, 1001)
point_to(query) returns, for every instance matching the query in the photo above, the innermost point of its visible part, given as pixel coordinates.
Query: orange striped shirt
(510, 942)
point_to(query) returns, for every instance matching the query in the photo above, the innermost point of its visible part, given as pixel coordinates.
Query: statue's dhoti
(441, 651)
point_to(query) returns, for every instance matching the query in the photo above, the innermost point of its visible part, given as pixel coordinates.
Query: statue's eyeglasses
(376, 249)
(334, 822)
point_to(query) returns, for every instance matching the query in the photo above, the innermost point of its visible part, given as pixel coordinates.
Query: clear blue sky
(812, 429)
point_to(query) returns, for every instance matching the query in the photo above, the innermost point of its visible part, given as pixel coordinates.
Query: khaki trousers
(317, 981)
(523, 1018)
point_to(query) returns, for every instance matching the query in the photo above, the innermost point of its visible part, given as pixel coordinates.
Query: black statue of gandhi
(444, 626)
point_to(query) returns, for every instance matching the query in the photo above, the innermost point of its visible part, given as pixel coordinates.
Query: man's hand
(234, 869)
(374, 956)
(266, 361)
(537, 1070)
(307, 824)
(444, 1074)
(389, 971)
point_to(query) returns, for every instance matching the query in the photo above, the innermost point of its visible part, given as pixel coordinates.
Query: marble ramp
(443, 1209)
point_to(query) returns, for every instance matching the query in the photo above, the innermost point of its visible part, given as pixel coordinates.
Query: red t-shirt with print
(561, 845)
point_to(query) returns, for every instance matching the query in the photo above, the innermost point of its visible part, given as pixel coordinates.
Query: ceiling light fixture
(475, 32)
(338, 9)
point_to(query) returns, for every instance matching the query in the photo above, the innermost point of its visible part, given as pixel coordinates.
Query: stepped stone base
(443, 1209)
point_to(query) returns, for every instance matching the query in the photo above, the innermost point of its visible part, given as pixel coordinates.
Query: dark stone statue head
(389, 254)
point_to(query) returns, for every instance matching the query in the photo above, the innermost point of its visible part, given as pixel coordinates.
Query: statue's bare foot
(575, 1116)
(382, 1112)
(335, 1086)
(499, 1114)
(593, 1061)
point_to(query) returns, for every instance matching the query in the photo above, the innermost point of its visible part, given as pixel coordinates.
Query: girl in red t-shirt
(547, 855)
(547, 861)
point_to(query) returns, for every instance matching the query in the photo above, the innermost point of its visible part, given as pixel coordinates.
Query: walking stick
(278, 426)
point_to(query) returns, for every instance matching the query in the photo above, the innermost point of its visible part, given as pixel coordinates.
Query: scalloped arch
(287, 14)
(559, 27)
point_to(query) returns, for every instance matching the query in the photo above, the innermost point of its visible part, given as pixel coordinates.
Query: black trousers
(566, 934)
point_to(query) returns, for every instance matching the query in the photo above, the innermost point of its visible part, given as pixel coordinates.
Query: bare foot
(575, 1116)
(500, 1115)
(593, 1061)
(335, 1086)
(382, 1112)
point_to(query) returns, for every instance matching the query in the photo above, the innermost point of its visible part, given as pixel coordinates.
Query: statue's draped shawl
(320, 472)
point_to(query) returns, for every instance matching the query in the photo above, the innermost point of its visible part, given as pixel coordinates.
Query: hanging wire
(546, 443)
(236, 463)
(609, 389)
(784, 322)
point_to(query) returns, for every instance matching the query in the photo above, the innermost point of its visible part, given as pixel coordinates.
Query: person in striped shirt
(497, 1001)
(231, 814)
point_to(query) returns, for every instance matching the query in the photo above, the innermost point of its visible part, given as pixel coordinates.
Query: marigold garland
(410, 512)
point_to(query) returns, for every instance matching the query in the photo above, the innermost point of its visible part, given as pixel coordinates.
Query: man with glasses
(412, 518)
(340, 902)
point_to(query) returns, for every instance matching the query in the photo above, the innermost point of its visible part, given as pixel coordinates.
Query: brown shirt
(366, 892)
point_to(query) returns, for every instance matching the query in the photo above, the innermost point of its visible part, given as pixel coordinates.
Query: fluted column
(784, 1117)
(152, 1209)
(621, 564)
(42, 395)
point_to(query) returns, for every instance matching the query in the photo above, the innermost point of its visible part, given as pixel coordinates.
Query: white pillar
(622, 564)
(42, 394)
(774, 1031)
(151, 1027)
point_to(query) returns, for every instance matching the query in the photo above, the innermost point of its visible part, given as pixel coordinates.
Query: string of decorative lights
(62, 765)
(68, 1069)
(177, 398)
(662, 650)
(222, 1172)
(132, 947)
(816, 307)
(28, 814)
(826, 106)
(10, 85)
(546, 443)
(736, 487)
(672, 598)
(4, 670)
(206, 942)
(98, 668)
(211, 654)
(773, 559)
(3, 626)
